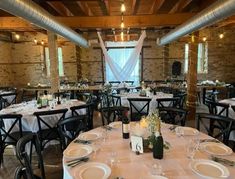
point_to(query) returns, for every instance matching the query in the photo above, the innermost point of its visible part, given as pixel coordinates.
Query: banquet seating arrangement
(26, 170)
(48, 131)
(9, 135)
(173, 116)
(216, 126)
(70, 128)
(138, 107)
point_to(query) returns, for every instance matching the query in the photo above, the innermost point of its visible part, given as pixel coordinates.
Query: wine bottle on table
(158, 146)
(158, 143)
(125, 128)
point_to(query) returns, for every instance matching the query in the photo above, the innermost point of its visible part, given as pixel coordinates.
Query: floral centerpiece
(107, 88)
(152, 124)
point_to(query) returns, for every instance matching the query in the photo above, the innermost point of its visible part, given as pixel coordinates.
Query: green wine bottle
(158, 146)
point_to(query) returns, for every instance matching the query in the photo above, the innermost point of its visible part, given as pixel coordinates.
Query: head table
(115, 152)
(29, 121)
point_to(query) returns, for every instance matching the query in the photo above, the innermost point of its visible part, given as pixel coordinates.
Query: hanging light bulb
(204, 39)
(35, 41)
(122, 36)
(42, 42)
(221, 35)
(17, 36)
(123, 8)
(122, 25)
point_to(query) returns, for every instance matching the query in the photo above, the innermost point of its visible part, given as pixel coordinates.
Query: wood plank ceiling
(88, 15)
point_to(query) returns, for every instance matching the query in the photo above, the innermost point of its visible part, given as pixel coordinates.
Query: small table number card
(137, 144)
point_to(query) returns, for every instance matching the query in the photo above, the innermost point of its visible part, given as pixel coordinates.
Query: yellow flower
(143, 123)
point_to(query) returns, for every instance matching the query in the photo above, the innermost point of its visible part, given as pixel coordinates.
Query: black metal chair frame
(173, 115)
(88, 117)
(173, 102)
(223, 124)
(212, 106)
(140, 111)
(26, 159)
(49, 130)
(70, 128)
(13, 101)
(8, 137)
(109, 114)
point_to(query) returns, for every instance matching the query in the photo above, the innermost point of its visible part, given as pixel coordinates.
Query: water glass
(179, 131)
(191, 148)
(112, 158)
(155, 168)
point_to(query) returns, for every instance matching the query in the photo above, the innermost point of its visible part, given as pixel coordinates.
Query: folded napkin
(107, 127)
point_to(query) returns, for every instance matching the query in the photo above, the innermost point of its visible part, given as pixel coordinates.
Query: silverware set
(75, 162)
(223, 161)
(82, 141)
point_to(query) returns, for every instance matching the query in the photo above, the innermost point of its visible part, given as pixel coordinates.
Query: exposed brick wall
(5, 64)
(24, 62)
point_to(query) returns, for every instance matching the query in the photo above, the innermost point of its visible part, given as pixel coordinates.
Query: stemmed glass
(191, 147)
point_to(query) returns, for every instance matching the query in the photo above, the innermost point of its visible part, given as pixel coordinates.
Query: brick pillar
(53, 55)
(165, 61)
(192, 77)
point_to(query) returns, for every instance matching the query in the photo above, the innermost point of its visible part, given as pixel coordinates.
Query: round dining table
(113, 151)
(29, 121)
(153, 102)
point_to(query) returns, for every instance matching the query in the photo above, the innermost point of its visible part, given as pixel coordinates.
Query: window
(120, 56)
(60, 61)
(202, 60)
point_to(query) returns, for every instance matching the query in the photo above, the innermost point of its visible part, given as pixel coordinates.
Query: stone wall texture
(24, 62)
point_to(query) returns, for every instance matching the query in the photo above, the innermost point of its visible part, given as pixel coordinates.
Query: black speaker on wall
(176, 68)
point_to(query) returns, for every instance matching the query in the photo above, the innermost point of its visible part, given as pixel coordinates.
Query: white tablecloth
(29, 121)
(174, 164)
(231, 102)
(8, 98)
(153, 103)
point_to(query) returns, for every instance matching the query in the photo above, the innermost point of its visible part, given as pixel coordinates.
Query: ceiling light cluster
(123, 9)
(221, 36)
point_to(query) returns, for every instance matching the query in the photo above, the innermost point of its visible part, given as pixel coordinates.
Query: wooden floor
(53, 156)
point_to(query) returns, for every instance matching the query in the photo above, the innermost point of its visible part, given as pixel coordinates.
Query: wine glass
(155, 168)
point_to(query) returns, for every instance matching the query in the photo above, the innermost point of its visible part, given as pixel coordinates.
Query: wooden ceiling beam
(60, 8)
(105, 21)
(104, 5)
(47, 7)
(85, 8)
(157, 4)
(179, 6)
(73, 7)
(135, 6)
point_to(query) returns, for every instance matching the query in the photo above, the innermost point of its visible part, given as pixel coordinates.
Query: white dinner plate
(78, 151)
(117, 124)
(187, 131)
(89, 136)
(155, 177)
(92, 170)
(209, 169)
(215, 148)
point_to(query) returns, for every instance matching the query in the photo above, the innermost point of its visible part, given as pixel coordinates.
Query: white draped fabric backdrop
(122, 73)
